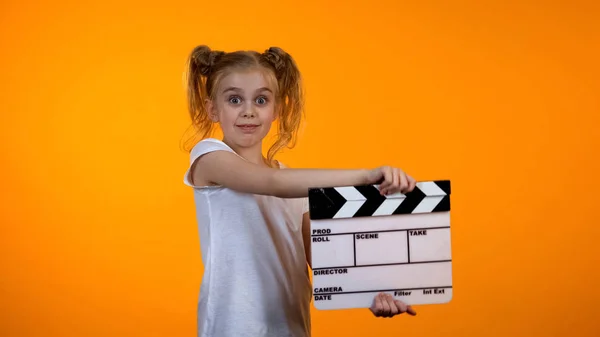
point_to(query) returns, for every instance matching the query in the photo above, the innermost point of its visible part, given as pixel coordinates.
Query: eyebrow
(238, 89)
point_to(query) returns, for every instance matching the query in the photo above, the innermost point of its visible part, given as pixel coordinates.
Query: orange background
(98, 234)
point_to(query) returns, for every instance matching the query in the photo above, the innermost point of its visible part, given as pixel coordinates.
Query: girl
(252, 211)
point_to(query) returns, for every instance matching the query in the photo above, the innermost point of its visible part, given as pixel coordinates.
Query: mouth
(248, 127)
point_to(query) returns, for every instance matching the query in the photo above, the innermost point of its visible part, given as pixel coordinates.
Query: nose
(249, 112)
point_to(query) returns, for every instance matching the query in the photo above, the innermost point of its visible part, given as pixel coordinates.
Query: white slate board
(364, 243)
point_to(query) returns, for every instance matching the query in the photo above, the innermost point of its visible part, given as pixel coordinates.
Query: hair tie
(275, 56)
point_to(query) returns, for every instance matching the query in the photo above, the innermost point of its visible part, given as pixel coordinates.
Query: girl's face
(244, 106)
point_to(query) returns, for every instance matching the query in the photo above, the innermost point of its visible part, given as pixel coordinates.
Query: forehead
(247, 81)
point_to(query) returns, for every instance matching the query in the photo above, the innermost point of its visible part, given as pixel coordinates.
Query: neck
(252, 154)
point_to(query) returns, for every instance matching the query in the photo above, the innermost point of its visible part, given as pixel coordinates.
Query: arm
(227, 169)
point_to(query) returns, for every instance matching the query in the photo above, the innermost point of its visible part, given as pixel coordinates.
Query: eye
(261, 100)
(234, 100)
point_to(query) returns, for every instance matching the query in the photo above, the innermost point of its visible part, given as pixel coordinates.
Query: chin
(248, 140)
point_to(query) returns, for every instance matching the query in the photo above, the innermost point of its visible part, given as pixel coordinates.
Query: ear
(211, 110)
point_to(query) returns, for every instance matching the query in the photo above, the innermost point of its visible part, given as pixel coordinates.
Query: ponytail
(200, 65)
(290, 97)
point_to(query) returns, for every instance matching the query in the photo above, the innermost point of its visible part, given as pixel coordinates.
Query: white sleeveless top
(256, 280)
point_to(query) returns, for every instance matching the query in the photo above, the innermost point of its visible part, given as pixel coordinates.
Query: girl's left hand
(384, 305)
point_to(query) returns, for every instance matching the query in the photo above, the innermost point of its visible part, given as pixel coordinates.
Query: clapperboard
(364, 243)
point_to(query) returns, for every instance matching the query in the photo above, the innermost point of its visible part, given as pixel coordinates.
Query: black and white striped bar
(365, 201)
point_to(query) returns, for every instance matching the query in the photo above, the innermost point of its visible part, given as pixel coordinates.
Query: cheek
(228, 115)
(268, 114)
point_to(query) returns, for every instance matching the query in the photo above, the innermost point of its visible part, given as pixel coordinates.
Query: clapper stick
(364, 243)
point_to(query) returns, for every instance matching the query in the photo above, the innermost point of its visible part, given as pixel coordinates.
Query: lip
(247, 128)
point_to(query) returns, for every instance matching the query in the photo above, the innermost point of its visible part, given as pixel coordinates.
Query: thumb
(405, 308)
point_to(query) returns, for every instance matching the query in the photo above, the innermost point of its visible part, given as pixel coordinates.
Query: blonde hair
(206, 67)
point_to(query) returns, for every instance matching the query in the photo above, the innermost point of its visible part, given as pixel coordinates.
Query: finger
(411, 183)
(403, 182)
(386, 307)
(401, 306)
(382, 181)
(389, 176)
(383, 188)
(411, 311)
(387, 180)
(394, 310)
(377, 305)
(395, 180)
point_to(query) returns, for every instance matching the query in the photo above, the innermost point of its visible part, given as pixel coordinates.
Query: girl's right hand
(391, 180)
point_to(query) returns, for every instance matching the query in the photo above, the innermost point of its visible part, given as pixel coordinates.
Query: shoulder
(192, 175)
(208, 145)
